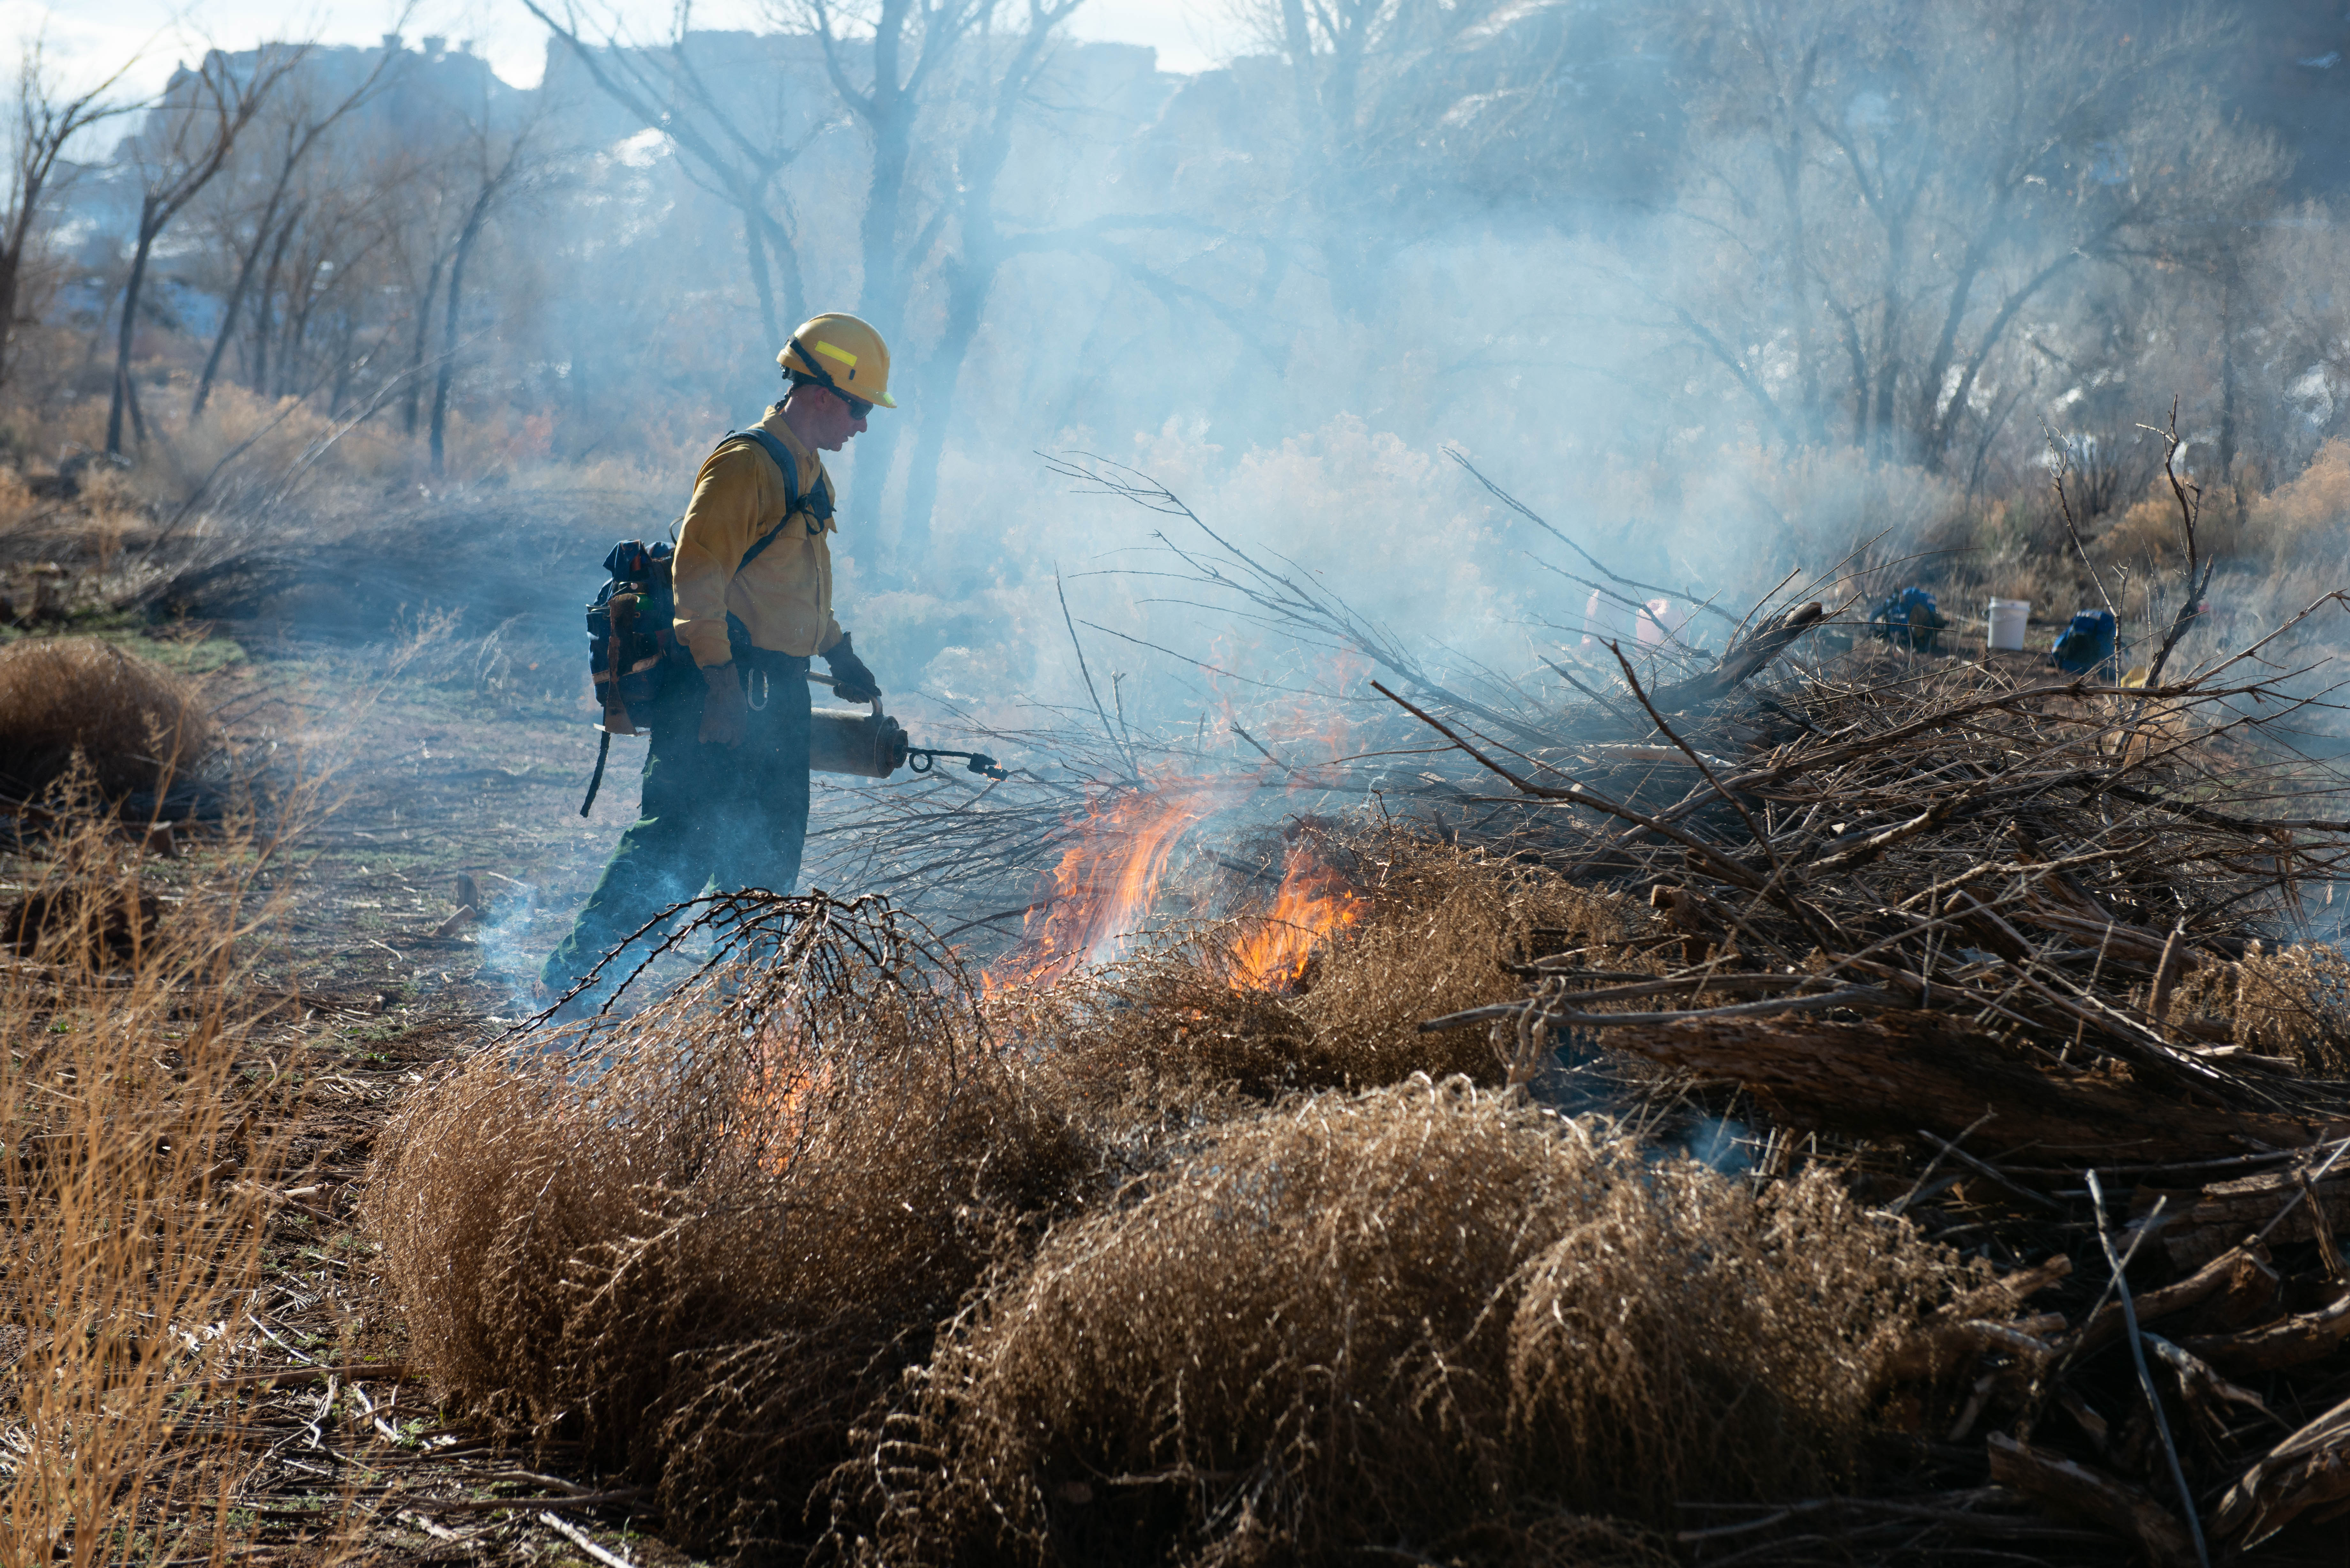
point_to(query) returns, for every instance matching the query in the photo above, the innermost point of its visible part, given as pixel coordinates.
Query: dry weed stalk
(141, 1133)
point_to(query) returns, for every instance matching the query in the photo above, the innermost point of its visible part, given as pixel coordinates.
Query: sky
(85, 42)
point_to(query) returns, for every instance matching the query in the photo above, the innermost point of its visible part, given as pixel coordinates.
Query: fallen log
(2210, 1219)
(1742, 662)
(2310, 1469)
(1959, 1329)
(2075, 1489)
(1904, 1070)
(2293, 1342)
(2236, 1285)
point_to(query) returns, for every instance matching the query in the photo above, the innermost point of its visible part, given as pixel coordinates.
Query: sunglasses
(858, 407)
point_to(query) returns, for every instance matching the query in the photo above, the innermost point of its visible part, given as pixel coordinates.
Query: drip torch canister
(873, 745)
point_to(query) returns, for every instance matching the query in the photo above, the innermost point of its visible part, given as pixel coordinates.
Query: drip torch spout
(923, 759)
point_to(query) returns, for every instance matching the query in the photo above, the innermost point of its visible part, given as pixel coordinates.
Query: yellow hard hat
(844, 355)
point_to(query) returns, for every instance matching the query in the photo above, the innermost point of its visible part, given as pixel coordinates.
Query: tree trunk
(786, 258)
(424, 299)
(260, 382)
(966, 307)
(8, 269)
(342, 367)
(12, 261)
(879, 300)
(229, 310)
(449, 326)
(138, 417)
(2227, 379)
(1898, 1072)
(970, 281)
(1886, 373)
(297, 333)
(32, 173)
(1798, 273)
(148, 228)
(761, 285)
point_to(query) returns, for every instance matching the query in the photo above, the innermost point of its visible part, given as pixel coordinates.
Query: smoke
(1721, 293)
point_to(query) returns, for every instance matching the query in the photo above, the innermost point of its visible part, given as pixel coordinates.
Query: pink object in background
(1660, 623)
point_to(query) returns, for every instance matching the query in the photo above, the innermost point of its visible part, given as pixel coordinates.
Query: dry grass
(2293, 1003)
(138, 1136)
(716, 1240)
(1439, 927)
(1380, 1322)
(704, 1237)
(135, 726)
(1445, 924)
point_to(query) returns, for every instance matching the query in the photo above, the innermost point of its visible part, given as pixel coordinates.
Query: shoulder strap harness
(819, 506)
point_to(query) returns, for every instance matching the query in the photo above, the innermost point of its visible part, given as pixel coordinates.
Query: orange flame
(1111, 876)
(1110, 879)
(779, 1100)
(1107, 881)
(1314, 904)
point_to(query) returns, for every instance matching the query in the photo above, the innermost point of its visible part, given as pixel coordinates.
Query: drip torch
(871, 746)
(874, 745)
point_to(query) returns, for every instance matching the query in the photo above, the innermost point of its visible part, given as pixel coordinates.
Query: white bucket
(2007, 618)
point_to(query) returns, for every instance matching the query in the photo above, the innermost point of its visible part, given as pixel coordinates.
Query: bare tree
(1371, 81)
(496, 176)
(298, 133)
(339, 235)
(1887, 191)
(435, 220)
(45, 123)
(904, 44)
(733, 159)
(980, 250)
(187, 141)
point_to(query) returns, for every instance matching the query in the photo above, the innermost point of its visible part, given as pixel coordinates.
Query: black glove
(851, 682)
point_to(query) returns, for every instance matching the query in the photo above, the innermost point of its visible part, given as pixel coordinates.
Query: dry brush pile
(2014, 945)
(841, 1259)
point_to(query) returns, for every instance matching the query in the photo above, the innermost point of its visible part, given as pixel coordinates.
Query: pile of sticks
(2006, 941)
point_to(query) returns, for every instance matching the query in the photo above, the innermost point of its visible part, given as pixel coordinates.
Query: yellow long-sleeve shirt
(785, 595)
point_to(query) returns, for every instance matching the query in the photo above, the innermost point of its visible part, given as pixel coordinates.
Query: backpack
(1910, 618)
(2088, 644)
(632, 632)
(632, 643)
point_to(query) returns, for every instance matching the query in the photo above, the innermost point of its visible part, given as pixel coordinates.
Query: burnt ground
(422, 780)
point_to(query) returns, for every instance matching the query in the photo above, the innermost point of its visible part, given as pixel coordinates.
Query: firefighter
(726, 777)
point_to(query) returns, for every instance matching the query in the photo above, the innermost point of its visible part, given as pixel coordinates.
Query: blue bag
(2087, 645)
(1910, 618)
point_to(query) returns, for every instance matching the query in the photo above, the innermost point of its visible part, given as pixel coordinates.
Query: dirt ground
(425, 781)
